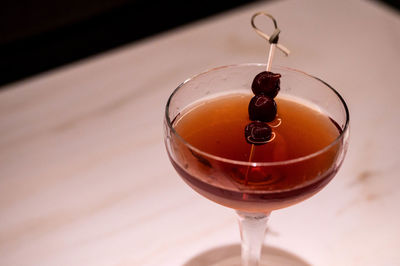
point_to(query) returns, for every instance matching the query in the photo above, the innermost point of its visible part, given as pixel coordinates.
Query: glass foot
(230, 256)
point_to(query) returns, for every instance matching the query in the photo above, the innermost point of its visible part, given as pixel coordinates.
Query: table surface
(85, 179)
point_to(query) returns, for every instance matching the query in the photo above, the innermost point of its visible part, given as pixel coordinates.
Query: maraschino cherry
(262, 108)
(266, 83)
(258, 133)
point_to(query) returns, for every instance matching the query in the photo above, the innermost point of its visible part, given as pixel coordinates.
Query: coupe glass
(218, 179)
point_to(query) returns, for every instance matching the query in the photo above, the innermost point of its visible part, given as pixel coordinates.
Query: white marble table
(85, 180)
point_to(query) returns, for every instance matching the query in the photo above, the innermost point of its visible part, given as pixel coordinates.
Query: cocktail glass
(218, 179)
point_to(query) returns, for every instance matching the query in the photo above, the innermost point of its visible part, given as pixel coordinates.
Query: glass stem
(252, 232)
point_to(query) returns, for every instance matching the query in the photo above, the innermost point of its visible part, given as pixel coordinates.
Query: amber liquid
(214, 129)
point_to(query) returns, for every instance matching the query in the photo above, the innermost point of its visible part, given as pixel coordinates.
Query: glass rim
(255, 163)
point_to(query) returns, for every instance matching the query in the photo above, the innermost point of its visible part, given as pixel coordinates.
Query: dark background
(38, 35)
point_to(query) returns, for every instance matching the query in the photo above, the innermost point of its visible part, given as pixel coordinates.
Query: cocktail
(247, 159)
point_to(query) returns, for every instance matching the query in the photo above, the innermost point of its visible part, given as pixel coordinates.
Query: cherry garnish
(262, 108)
(257, 133)
(266, 83)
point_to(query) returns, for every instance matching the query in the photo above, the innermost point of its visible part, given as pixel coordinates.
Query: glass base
(230, 256)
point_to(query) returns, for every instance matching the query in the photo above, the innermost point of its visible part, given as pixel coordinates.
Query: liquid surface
(217, 127)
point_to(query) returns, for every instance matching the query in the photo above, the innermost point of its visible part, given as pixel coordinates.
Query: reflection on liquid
(230, 255)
